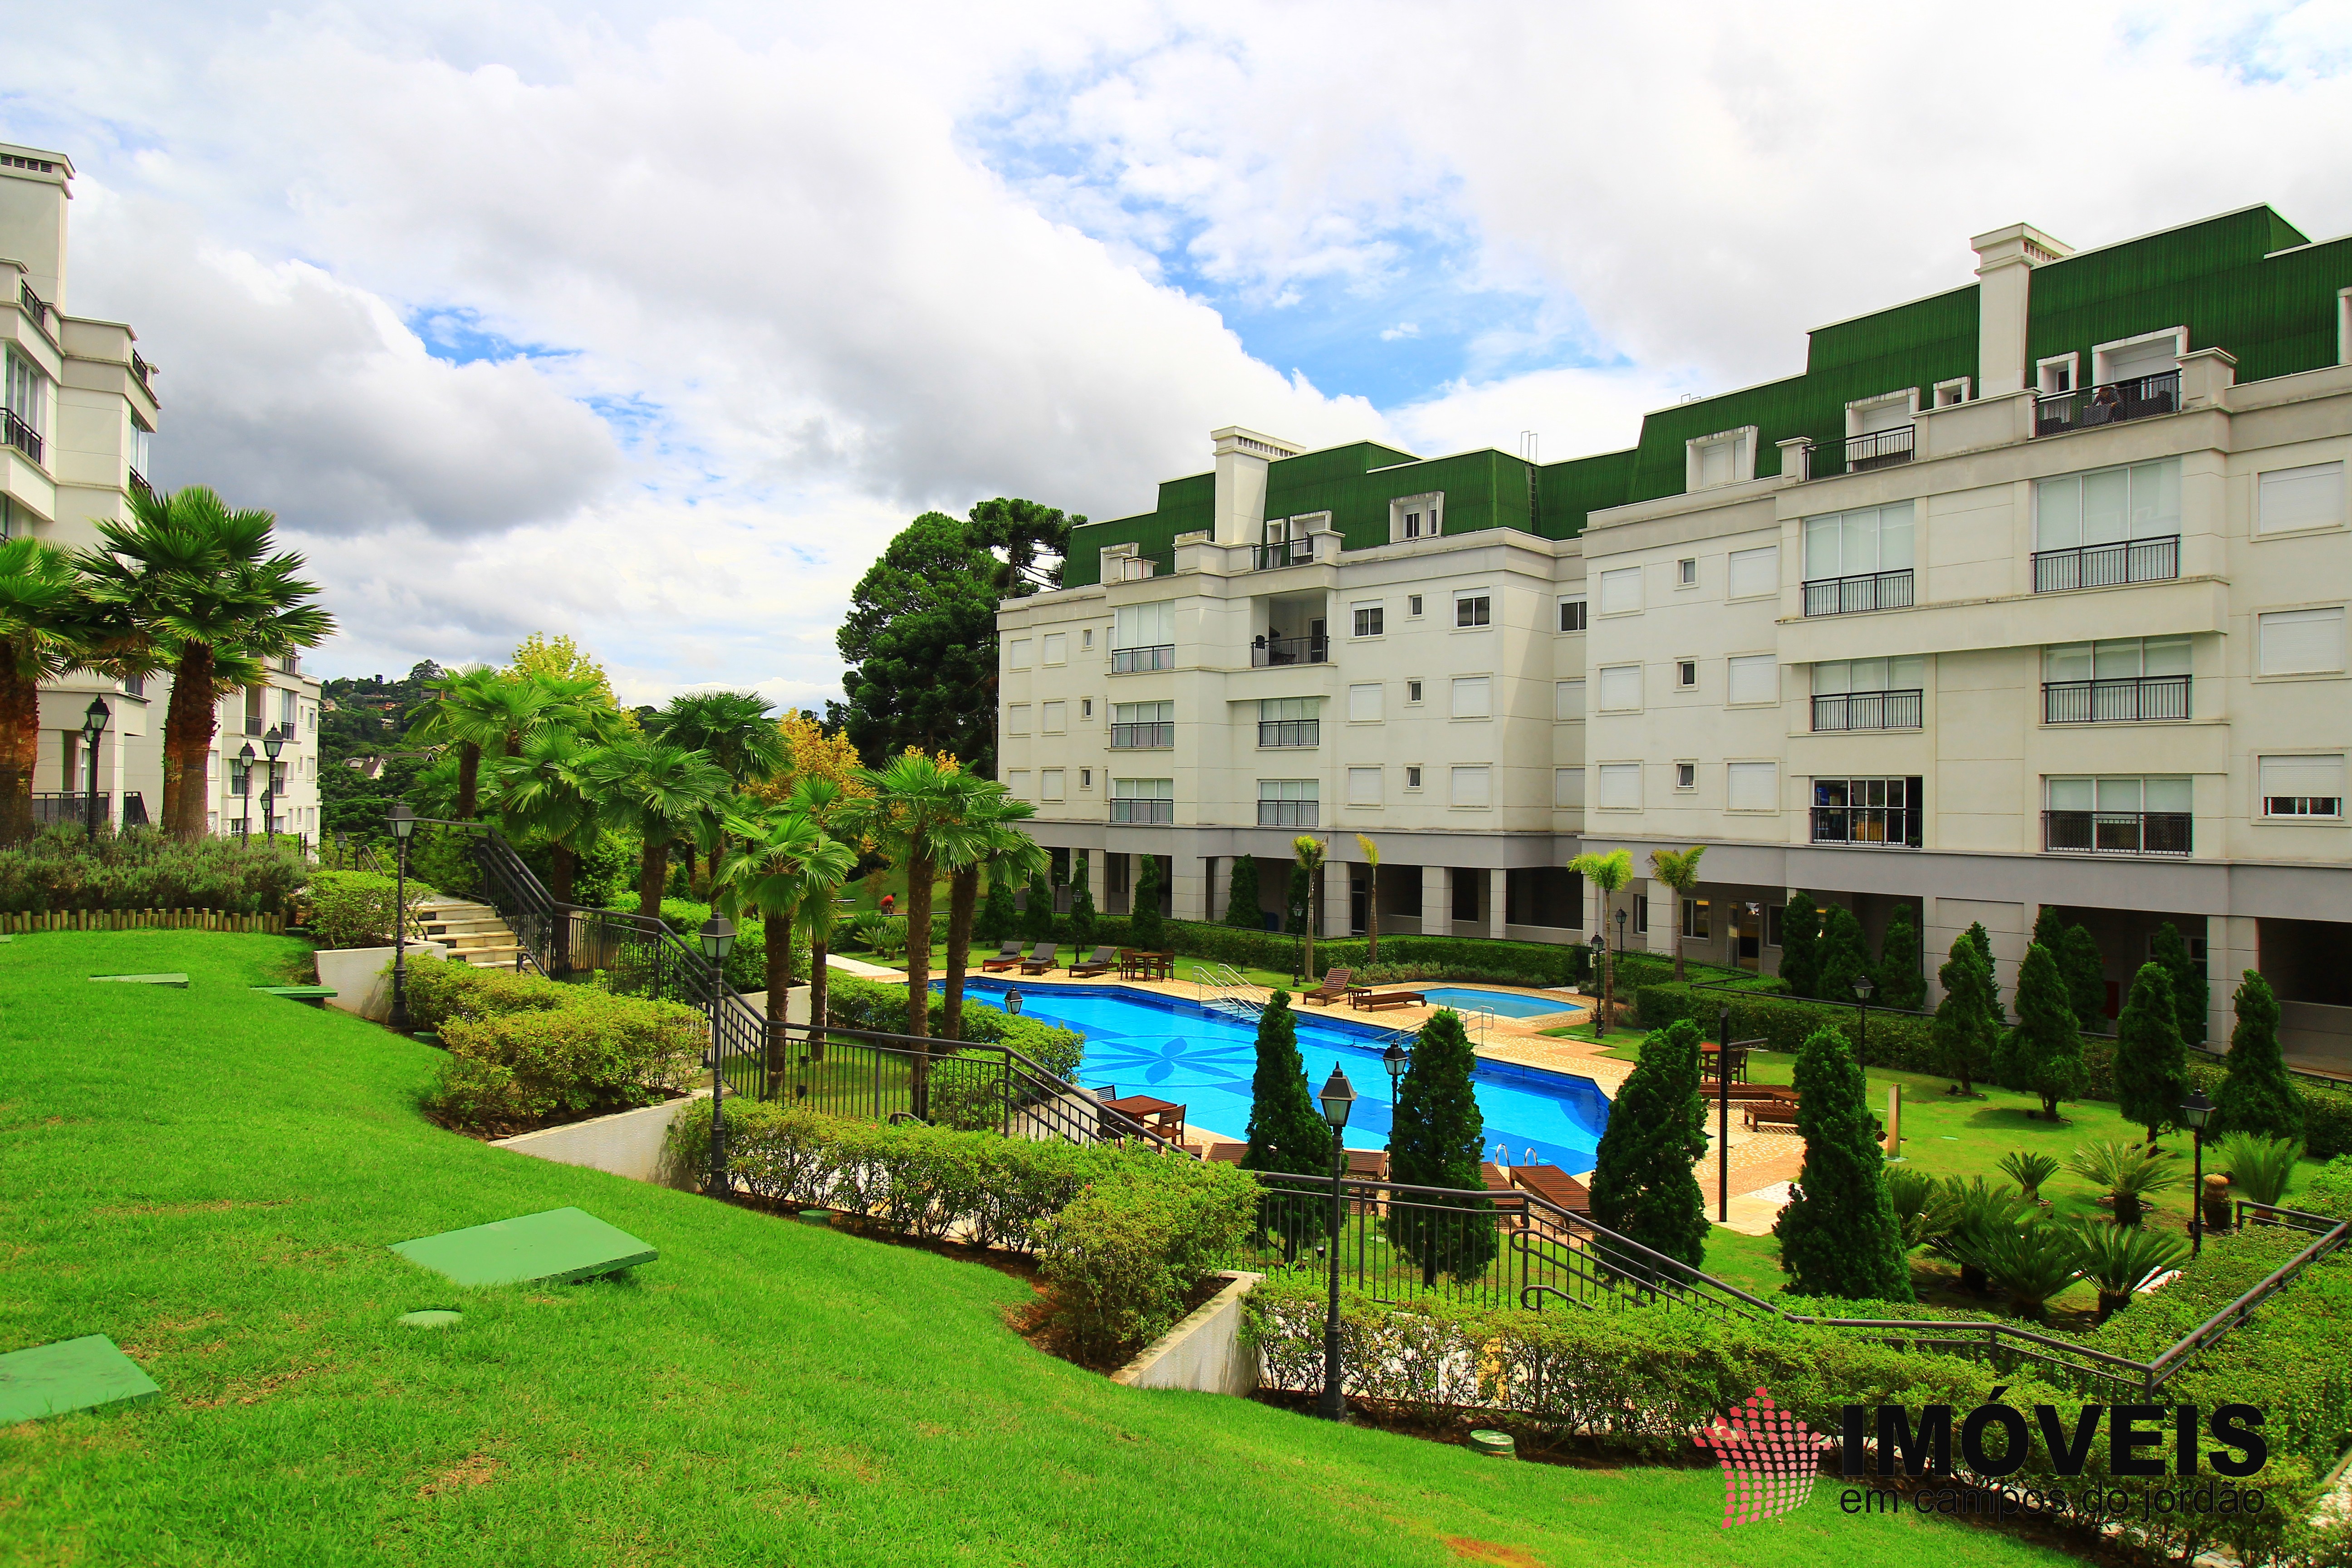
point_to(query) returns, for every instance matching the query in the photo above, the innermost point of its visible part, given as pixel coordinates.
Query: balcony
(1289, 733)
(1881, 448)
(1157, 736)
(1143, 813)
(2106, 565)
(1282, 552)
(1137, 660)
(51, 807)
(33, 305)
(1867, 710)
(2123, 700)
(138, 485)
(1850, 596)
(22, 436)
(2111, 404)
(1286, 812)
(1868, 813)
(142, 370)
(1265, 651)
(2116, 832)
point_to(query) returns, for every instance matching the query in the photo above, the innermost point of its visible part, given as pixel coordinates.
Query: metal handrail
(1286, 812)
(2129, 699)
(2106, 565)
(2213, 1328)
(1868, 709)
(2110, 403)
(1880, 448)
(1282, 552)
(1138, 660)
(1889, 590)
(1268, 651)
(1155, 811)
(21, 436)
(2171, 833)
(34, 303)
(1283, 733)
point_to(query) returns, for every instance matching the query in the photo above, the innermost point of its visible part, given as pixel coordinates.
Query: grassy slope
(211, 1176)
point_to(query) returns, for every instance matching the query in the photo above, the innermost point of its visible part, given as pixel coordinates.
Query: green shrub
(440, 992)
(597, 1053)
(147, 868)
(1123, 1256)
(747, 964)
(2326, 1112)
(871, 1005)
(354, 909)
(2330, 1190)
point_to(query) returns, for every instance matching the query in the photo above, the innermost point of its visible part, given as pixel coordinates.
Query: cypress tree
(1146, 926)
(1981, 939)
(1800, 956)
(1300, 904)
(1839, 1236)
(1643, 1187)
(997, 918)
(2046, 1050)
(2086, 969)
(1900, 981)
(1037, 919)
(2257, 1096)
(1434, 1141)
(2191, 994)
(1845, 957)
(1287, 1131)
(1967, 1020)
(2151, 1064)
(2050, 929)
(1241, 895)
(1084, 924)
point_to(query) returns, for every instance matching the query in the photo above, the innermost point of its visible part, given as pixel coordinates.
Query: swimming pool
(1504, 1004)
(1177, 1050)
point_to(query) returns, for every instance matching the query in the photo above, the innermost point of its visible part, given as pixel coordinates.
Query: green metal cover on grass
(179, 981)
(557, 1246)
(71, 1375)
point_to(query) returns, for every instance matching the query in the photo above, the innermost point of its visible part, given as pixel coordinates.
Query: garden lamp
(402, 822)
(1395, 1059)
(1339, 1098)
(245, 760)
(1863, 987)
(273, 741)
(93, 725)
(1600, 979)
(1862, 990)
(1013, 1002)
(717, 940)
(2195, 1112)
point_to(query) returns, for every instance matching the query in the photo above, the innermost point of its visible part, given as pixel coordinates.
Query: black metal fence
(1867, 710)
(21, 436)
(1138, 660)
(1282, 552)
(1880, 448)
(2108, 404)
(2118, 832)
(1265, 651)
(1285, 733)
(2105, 566)
(1865, 590)
(2120, 700)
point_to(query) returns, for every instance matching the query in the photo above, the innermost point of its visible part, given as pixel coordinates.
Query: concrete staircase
(473, 932)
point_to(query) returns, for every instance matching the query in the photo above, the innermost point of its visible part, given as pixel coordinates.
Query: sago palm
(44, 628)
(2129, 1172)
(1680, 872)
(481, 711)
(657, 792)
(2260, 1168)
(2119, 1260)
(786, 856)
(2031, 1263)
(990, 838)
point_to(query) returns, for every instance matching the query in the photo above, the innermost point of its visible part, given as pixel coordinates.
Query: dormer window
(1416, 517)
(1726, 457)
(2056, 375)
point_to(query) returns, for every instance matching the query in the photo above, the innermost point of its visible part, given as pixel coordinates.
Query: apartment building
(79, 411)
(2030, 593)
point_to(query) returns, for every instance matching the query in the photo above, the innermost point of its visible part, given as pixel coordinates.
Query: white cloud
(1402, 330)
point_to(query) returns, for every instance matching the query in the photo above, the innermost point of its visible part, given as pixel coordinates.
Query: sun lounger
(1007, 957)
(1373, 1001)
(1041, 958)
(1335, 985)
(1553, 1185)
(1102, 963)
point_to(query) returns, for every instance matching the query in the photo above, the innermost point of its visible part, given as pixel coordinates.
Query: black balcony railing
(2105, 566)
(1136, 660)
(1264, 651)
(138, 483)
(1868, 591)
(1290, 731)
(1877, 814)
(2110, 403)
(37, 306)
(2115, 832)
(72, 806)
(21, 436)
(1153, 737)
(2124, 699)
(1142, 812)
(1281, 553)
(142, 370)
(1286, 812)
(1880, 448)
(1867, 710)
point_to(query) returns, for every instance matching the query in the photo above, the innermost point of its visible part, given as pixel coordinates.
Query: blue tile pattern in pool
(1177, 1050)
(1504, 1004)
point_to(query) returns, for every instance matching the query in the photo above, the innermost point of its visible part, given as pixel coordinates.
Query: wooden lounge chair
(1335, 985)
(1227, 1153)
(1041, 958)
(1102, 963)
(1553, 1185)
(1373, 1001)
(1006, 957)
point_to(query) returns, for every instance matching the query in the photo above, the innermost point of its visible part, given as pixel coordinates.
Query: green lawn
(211, 1176)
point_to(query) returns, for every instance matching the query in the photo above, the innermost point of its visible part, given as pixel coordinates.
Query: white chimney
(2005, 262)
(34, 186)
(1241, 458)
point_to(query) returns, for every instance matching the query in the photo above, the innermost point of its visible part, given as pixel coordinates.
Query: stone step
(461, 927)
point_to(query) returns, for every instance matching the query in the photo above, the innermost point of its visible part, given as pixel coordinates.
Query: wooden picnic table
(1164, 1117)
(1134, 965)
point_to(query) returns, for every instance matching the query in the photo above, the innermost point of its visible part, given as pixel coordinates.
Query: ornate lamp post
(1723, 1115)
(244, 782)
(1862, 990)
(1396, 1059)
(1339, 1098)
(2195, 1112)
(402, 822)
(93, 726)
(717, 940)
(272, 742)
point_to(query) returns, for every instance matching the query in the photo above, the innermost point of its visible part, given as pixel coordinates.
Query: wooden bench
(1373, 1001)
(316, 995)
(1759, 1113)
(1553, 1185)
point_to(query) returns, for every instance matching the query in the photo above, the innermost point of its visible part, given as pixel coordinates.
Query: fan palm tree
(1371, 853)
(734, 729)
(1679, 872)
(1308, 851)
(786, 857)
(989, 839)
(191, 585)
(656, 791)
(44, 631)
(1607, 873)
(543, 796)
(914, 800)
(479, 710)
(819, 800)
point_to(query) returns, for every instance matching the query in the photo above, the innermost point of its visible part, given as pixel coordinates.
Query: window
(2149, 353)
(1053, 718)
(1686, 572)
(1621, 786)
(2117, 815)
(1049, 784)
(1017, 718)
(1016, 653)
(1142, 726)
(1371, 620)
(1686, 674)
(1086, 778)
(1568, 788)
(1286, 802)
(1686, 776)
(1412, 778)
(1869, 693)
(1364, 703)
(1364, 787)
(1752, 786)
(1951, 393)
(1753, 677)
(286, 710)
(2108, 506)
(1472, 610)
(2127, 678)
(1471, 698)
(2308, 787)
(1621, 591)
(1143, 800)
(2300, 642)
(1414, 517)
(1567, 701)
(1289, 721)
(1473, 786)
(1086, 707)
(1856, 543)
(1882, 814)
(1143, 637)
(2056, 375)
(2300, 497)
(1753, 573)
(1057, 647)
(1087, 637)
(1571, 613)
(28, 394)
(1842, 676)
(1772, 913)
(1018, 780)
(1723, 458)
(1694, 921)
(1412, 606)
(1621, 687)
(1412, 693)
(1642, 913)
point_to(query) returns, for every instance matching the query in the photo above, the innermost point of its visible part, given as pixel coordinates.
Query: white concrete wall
(1204, 1353)
(361, 976)
(627, 1143)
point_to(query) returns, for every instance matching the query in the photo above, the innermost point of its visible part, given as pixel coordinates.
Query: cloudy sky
(650, 324)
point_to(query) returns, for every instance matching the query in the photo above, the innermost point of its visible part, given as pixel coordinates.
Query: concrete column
(1436, 902)
(1499, 902)
(1189, 889)
(1335, 898)
(1097, 884)
(2232, 946)
(1665, 917)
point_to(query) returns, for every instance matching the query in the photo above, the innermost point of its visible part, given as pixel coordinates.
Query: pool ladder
(1223, 990)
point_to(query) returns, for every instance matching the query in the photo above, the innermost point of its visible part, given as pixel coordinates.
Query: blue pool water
(1177, 1050)
(1504, 1003)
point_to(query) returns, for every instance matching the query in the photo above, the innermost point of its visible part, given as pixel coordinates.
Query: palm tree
(819, 799)
(1371, 853)
(786, 857)
(1679, 872)
(44, 622)
(989, 839)
(1607, 873)
(734, 729)
(1309, 851)
(477, 710)
(543, 795)
(913, 801)
(657, 791)
(191, 585)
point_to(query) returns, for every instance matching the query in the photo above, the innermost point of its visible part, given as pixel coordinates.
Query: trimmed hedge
(2326, 1112)
(147, 868)
(1124, 1256)
(354, 909)
(855, 1003)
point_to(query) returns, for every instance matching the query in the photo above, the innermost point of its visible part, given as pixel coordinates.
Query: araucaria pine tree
(1287, 1131)
(2086, 979)
(1845, 956)
(1800, 954)
(2257, 1096)
(1642, 1184)
(1037, 919)
(1967, 1024)
(1900, 983)
(2151, 1064)
(1435, 1136)
(1241, 895)
(2044, 1052)
(1146, 926)
(2191, 995)
(1839, 1236)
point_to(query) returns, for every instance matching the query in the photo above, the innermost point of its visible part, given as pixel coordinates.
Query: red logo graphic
(1769, 1460)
